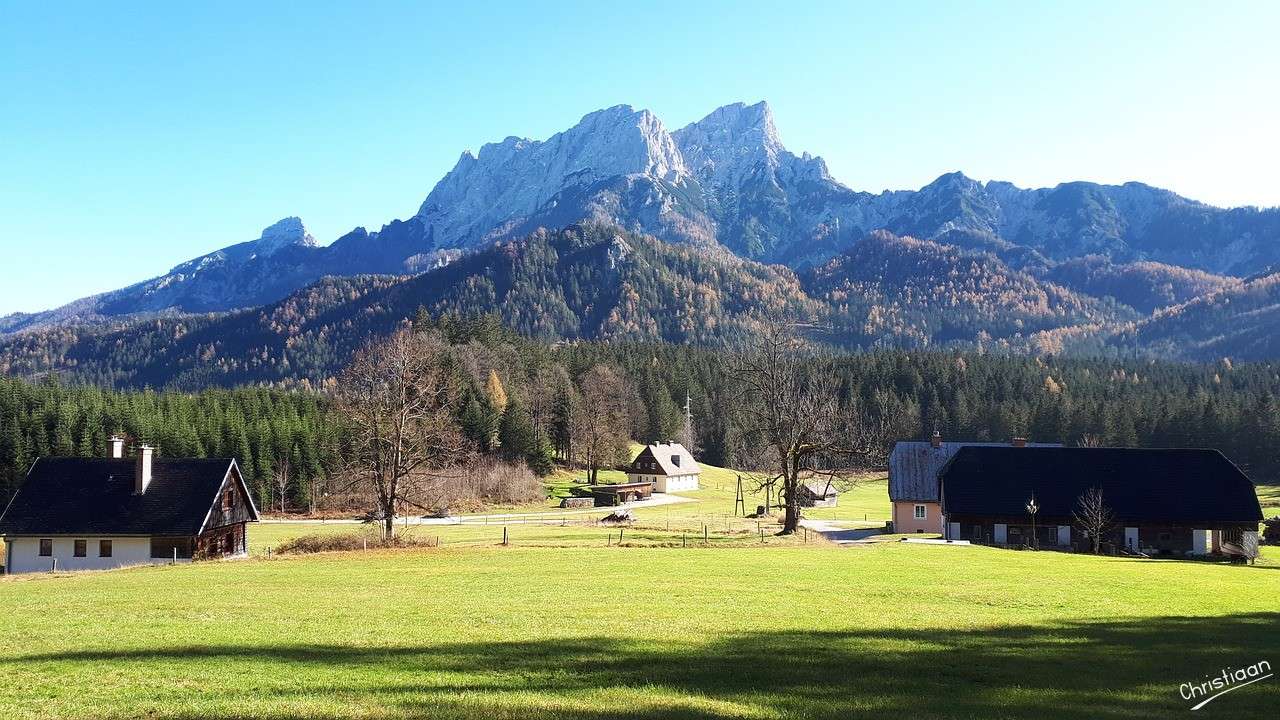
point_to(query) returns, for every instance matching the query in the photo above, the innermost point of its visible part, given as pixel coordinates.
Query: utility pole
(688, 424)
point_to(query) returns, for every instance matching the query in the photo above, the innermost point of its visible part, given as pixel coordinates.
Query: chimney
(115, 447)
(142, 473)
(1019, 442)
(936, 440)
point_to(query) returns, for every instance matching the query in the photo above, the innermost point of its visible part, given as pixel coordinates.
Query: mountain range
(957, 261)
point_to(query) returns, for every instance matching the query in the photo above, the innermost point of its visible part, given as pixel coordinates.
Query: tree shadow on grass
(1105, 669)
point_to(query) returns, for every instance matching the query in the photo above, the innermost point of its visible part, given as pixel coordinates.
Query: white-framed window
(920, 512)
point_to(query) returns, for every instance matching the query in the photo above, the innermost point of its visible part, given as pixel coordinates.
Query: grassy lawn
(1269, 498)
(593, 632)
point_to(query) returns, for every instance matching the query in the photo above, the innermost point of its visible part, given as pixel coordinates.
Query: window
(228, 500)
(104, 548)
(675, 460)
(919, 511)
(81, 548)
(46, 547)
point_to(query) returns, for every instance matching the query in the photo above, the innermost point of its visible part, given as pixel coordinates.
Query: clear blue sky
(134, 136)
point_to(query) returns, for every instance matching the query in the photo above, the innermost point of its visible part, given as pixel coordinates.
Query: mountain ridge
(724, 183)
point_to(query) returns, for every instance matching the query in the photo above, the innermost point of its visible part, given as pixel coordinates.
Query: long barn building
(1164, 501)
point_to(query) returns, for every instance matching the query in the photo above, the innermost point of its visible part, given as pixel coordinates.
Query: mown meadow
(563, 622)
(883, 630)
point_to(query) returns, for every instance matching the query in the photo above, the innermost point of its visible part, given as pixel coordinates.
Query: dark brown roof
(1140, 485)
(63, 496)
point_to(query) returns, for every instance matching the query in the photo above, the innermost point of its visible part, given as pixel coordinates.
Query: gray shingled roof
(661, 454)
(820, 488)
(914, 466)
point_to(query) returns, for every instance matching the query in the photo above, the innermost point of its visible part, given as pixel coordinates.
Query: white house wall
(675, 483)
(24, 554)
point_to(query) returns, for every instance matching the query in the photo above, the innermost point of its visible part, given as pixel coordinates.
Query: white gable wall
(23, 553)
(675, 483)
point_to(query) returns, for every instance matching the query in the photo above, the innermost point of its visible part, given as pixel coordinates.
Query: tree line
(541, 404)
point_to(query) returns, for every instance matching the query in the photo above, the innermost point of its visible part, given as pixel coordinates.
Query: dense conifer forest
(518, 399)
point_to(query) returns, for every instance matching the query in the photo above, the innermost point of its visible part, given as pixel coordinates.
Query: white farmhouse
(102, 513)
(669, 466)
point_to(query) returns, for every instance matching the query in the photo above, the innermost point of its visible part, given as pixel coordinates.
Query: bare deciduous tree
(282, 481)
(1094, 517)
(601, 430)
(398, 403)
(790, 403)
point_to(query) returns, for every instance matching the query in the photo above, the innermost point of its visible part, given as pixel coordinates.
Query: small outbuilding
(817, 493)
(669, 467)
(619, 493)
(101, 513)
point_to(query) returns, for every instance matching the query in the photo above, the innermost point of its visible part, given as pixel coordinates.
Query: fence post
(175, 554)
(55, 566)
(704, 533)
(504, 534)
(619, 536)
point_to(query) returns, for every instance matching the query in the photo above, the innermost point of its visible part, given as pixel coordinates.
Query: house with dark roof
(102, 513)
(1165, 501)
(668, 466)
(913, 480)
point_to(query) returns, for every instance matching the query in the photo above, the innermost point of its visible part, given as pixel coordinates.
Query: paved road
(550, 515)
(837, 533)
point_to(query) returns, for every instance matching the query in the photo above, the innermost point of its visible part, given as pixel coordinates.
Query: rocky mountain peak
(509, 182)
(730, 140)
(285, 232)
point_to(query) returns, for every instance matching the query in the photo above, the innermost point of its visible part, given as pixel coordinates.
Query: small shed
(619, 493)
(817, 493)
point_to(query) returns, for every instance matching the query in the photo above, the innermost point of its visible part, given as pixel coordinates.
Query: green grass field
(777, 632)
(564, 623)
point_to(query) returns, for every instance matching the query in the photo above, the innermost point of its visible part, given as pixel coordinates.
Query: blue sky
(134, 136)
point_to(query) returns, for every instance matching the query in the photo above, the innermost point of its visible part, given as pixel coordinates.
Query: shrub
(492, 482)
(338, 542)
(1271, 530)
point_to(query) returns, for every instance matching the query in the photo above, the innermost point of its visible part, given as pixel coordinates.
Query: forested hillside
(1240, 321)
(1144, 286)
(902, 292)
(585, 282)
(596, 281)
